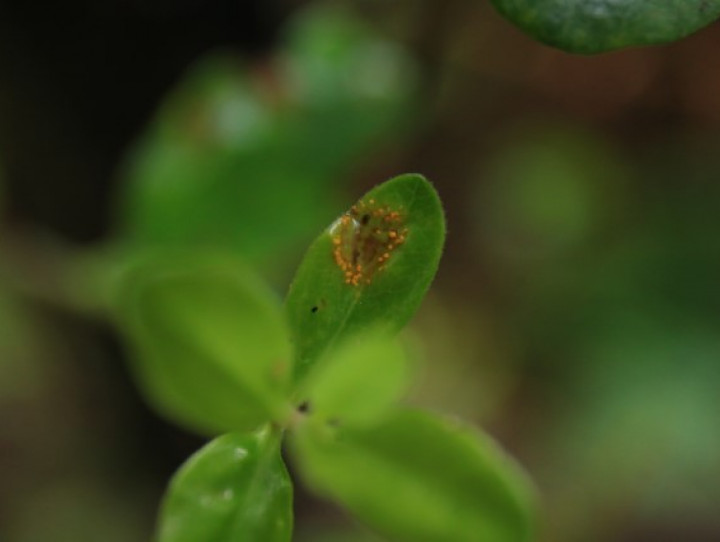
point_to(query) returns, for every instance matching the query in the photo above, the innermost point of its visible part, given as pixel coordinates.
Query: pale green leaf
(418, 478)
(209, 343)
(358, 381)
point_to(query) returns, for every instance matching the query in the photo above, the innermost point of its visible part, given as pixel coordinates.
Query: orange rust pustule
(364, 239)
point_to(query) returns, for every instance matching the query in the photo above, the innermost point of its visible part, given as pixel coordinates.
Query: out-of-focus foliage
(595, 26)
(649, 400)
(547, 190)
(415, 477)
(54, 486)
(626, 327)
(249, 157)
(359, 380)
(211, 348)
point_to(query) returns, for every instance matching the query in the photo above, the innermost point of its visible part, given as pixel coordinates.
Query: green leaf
(247, 158)
(358, 87)
(595, 26)
(358, 381)
(219, 168)
(417, 478)
(371, 267)
(211, 346)
(236, 488)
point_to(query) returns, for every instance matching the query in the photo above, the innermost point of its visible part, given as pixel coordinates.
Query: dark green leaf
(417, 478)
(371, 267)
(211, 347)
(595, 26)
(235, 489)
(358, 381)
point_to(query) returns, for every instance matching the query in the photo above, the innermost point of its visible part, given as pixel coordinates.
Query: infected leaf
(371, 267)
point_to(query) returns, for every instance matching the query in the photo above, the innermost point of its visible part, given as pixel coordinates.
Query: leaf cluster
(216, 351)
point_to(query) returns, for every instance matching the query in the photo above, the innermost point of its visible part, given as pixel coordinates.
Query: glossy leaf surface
(236, 488)
(371, 267)
(359, 381)
(211, 347)
(595, 26)
(417, 478)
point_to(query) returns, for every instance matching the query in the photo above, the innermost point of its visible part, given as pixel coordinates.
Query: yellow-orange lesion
(364, 239)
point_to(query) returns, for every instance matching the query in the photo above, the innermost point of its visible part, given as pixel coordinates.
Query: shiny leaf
(371, 267)
(595, 26)
(236, 488)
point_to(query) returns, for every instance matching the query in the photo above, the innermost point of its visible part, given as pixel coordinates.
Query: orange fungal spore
(364, 238)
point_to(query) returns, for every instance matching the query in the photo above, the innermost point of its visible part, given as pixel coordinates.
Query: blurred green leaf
(211, 347)
(418, 478)
(218, 168)
(359, 380)
(355, 86)
(644, 419)
(371, 267)
(548, 188)
(235, 488)
(596, 26)
(248, 157)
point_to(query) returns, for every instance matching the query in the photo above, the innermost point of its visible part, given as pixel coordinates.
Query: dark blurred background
(575, 314)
